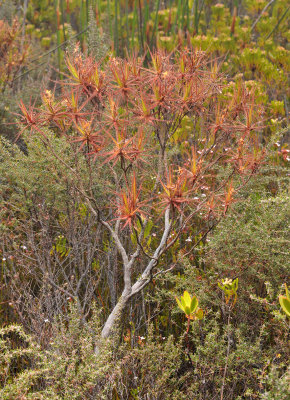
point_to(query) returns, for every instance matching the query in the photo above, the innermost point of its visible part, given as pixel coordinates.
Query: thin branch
(145, 278)
(165, 271)
(261, 14)
(278, 23)
(46, 54)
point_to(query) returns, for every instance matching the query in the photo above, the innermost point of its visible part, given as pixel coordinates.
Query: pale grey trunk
(113, 322)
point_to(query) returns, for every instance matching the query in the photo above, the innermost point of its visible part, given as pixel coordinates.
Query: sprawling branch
(141, 282)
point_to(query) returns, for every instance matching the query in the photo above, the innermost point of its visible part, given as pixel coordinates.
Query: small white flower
(196, 198)
(24, 247)
(227, 281)
(203, 195)
(154, 234)
(46, 320)
(188, 239)
(4, 259)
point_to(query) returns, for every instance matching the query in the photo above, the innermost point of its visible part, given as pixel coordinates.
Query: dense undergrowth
(61, 274)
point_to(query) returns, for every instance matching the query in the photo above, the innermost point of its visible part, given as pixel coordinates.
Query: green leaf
(183, 302)
(139, 227)
(187, 311)
(149, 241)
(187, 298)
(72, 70)
(133, 238)
(285, 304)
(179, 304)
(148, 229)
(236, 281)
(287, 293)
(194, 304)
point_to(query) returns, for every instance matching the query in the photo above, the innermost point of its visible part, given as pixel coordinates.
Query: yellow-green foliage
(285, 302)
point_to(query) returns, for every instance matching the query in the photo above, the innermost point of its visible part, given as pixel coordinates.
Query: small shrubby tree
(166, 146)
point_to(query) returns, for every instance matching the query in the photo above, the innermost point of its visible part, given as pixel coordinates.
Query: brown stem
(187, 331)
(227, 359)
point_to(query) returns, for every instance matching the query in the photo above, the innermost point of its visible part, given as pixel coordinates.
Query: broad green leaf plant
(189, 305)
(229, 287)
(285, 302)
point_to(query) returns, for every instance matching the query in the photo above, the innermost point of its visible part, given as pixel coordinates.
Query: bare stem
(227, 359)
